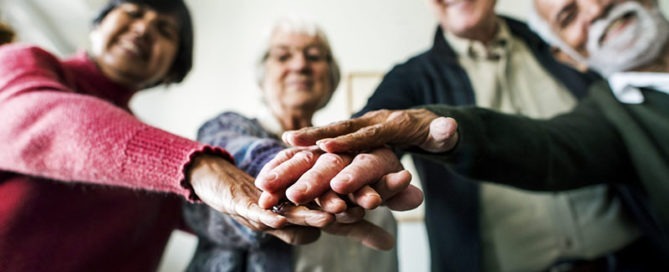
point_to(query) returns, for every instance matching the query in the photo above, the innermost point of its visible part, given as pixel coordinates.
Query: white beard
(639, 43)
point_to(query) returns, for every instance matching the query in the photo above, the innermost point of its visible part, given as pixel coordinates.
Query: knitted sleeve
(250, 145)
(50, 131)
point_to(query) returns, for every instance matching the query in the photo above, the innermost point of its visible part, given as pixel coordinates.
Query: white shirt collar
(625, 85)
(500, 46)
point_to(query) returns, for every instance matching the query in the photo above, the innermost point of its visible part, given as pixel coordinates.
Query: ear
(563, 57)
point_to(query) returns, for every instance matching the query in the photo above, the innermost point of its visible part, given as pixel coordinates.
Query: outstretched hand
(400, 128)
(224, 187)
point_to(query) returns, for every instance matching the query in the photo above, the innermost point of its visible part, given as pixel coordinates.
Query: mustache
(599, 28)
(639, 36)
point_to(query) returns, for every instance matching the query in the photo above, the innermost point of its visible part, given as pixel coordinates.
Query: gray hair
(298, 26)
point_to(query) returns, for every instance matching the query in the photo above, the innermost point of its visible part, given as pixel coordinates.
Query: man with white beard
(618, 135)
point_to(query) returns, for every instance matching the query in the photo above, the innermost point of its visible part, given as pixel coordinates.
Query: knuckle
(333, 159)
(365, 158)
(348, 125)
(401, 117)
(305, 156)
(372, 131)
(315, 178)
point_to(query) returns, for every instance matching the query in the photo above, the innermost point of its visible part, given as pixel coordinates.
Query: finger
(278, 159)
(284, 174)
(362, 139)
(331, 202)
(408, 199)
(267, 199)
(443, 135)
(302, 215)
(367, 198)
(392, 184)
(400, 128)
(253, 213)
(316, 181)
(309, 135)
(296, 235)
(351, 215)
(364, 232)
(366, 168)
(282, 157)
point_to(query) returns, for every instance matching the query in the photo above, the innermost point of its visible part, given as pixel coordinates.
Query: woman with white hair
(297, 74)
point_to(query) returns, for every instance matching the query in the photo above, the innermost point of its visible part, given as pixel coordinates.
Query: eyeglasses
(283, 54)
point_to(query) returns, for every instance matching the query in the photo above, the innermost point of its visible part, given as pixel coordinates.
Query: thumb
(443, 135)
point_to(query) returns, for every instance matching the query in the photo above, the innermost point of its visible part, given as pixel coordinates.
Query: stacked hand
(350, 169)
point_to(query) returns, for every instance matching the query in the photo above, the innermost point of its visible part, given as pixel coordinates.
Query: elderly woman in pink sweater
(84, 185)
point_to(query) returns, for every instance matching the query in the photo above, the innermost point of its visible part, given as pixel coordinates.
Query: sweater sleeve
(569, 151)
(52, 132)
(250, 145)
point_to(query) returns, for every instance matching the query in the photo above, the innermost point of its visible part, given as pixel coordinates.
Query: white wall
(366, 35)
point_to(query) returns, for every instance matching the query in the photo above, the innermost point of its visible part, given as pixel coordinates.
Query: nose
(143, 26)
(298, 62)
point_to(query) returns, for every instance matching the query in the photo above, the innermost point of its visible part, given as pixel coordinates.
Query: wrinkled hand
(229, 190)
(401, 128)
(367, 179)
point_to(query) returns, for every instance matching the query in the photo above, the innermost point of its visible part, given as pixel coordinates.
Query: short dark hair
(183, 62)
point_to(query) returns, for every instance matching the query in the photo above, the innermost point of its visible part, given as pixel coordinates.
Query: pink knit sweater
(84, 185)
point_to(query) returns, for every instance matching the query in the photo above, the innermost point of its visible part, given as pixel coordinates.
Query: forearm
(569, 151)
(50, 131)
(71, 137)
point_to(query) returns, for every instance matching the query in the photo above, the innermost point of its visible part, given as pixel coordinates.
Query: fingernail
(321, 143)
(273, 177)
(336, 206)
(299, 188)
(285, 137)
(340, 182)
(345, 179)
(372, 200)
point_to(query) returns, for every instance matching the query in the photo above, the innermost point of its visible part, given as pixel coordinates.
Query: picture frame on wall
(359, 87)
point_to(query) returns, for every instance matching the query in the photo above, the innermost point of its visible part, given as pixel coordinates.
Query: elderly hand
(401, 128)
(229, 190)
(367, 179)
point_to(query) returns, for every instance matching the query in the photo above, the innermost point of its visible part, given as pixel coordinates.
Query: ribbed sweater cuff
(160, 161)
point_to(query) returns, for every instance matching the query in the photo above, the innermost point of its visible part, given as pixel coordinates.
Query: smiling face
(135, 46)
(297, 72)
(470, 19)
(609, 35)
